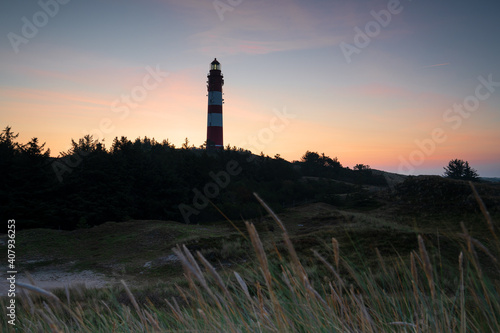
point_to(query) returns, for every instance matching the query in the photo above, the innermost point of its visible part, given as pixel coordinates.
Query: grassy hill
(382, 259)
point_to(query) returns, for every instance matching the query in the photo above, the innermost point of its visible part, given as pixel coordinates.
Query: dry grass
(280, 296)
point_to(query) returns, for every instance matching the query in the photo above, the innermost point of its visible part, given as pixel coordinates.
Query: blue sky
(379, 106)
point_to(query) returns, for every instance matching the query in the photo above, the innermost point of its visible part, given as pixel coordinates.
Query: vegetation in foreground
(280, 292)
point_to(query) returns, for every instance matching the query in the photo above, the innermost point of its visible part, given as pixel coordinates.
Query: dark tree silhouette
(315, 159)
(459, 169)
(361, 167)
(85, 145)
(7, 137)
(33, 149)
(8, 149)
(144, 179)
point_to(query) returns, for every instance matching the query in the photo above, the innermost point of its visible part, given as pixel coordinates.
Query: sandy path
(53, 278)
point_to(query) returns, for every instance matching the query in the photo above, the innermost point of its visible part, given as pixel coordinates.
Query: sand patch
(53, 278)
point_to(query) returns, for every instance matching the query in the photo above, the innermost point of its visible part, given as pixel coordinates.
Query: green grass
(124, 246)
(338, 272)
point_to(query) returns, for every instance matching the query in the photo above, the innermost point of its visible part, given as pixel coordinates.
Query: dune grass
(278, 294)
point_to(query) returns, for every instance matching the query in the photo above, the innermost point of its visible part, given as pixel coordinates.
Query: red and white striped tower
(214, 125)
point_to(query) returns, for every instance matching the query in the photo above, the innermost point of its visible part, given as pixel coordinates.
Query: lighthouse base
(214, 137)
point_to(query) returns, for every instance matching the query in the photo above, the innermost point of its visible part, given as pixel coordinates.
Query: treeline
(146, 179)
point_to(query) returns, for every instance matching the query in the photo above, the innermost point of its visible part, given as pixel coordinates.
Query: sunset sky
(404, 86)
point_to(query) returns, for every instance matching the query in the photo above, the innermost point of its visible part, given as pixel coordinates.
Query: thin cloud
(436, 65)
(266, 27)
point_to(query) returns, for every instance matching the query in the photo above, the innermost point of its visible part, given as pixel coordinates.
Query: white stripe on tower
(215, 98)
(215, 119)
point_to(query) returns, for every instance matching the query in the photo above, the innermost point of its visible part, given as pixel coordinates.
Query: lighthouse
(214, 124)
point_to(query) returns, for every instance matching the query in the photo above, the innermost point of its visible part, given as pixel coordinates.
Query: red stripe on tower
(214, 124)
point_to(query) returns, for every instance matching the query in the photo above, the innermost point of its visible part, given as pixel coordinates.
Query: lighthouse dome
(215, 65)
